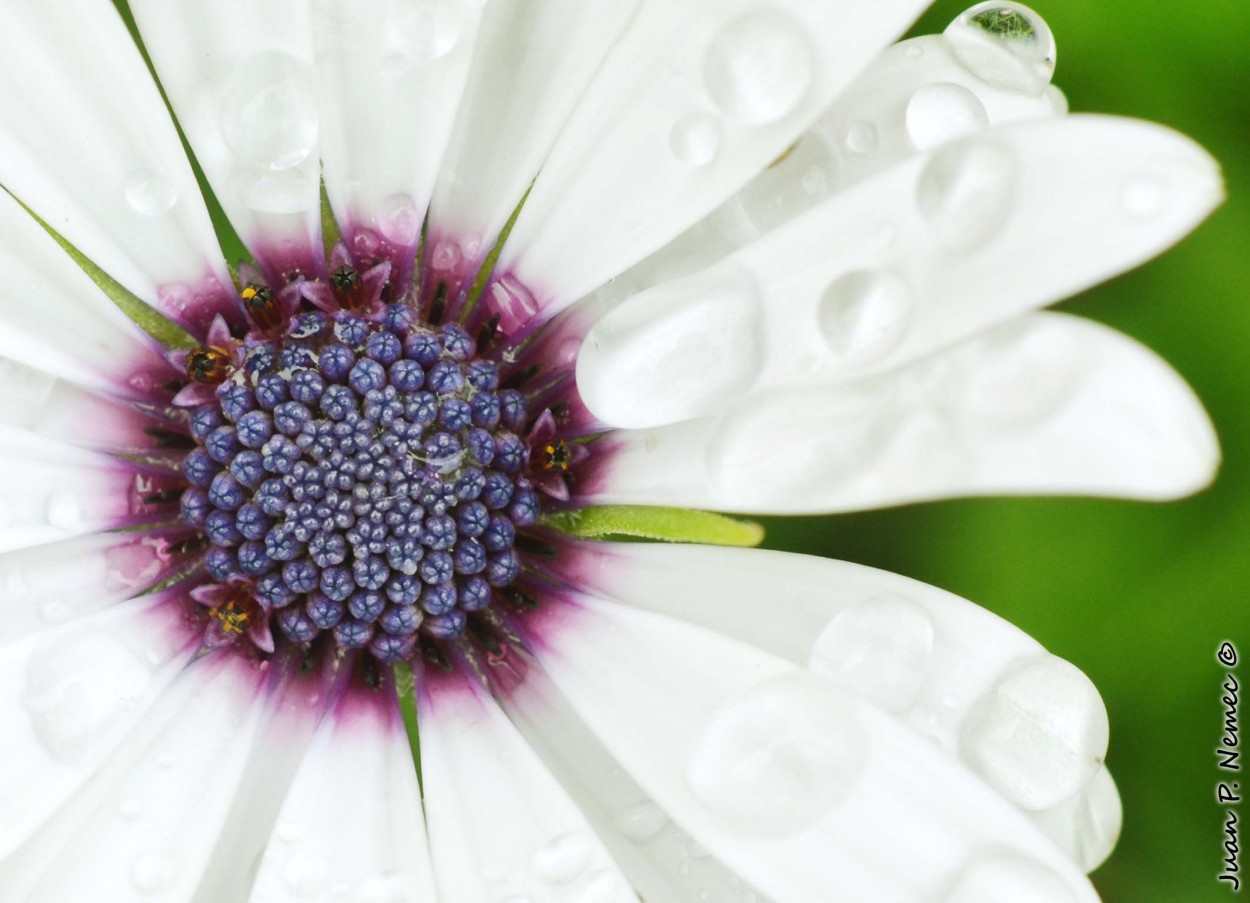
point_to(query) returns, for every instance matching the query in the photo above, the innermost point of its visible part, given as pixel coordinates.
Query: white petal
(53, 490)
(239, 75)
(928, 253)
(692, 102)
(53, 317)
(499, 823)
(534, 59)
(936, 662)
(1087, 825)
(45, 586)
(795, 784)
(70, 697)
(146, 824)
(351, 823)
(390, 76)
(1050, 404)
(89, 146)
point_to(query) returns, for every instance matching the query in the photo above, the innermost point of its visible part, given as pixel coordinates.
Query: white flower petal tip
(687, 107)
(1030, 724)
(1051, 404)
(929, 252)
(534, 844)
(786, 777)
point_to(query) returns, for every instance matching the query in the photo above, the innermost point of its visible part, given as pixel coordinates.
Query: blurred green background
(1137, 595)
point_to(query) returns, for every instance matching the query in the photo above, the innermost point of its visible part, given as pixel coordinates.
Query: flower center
(361, 477)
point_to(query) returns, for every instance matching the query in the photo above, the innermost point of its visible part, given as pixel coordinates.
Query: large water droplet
(269, 112)
(863, 315)
(759, 67)
(966, 192)
(398, 220)
(1005, 875)
(79, 690)
(673, 352)
(779, 758)
(642, 822)
(695, 139)
(151, 872)
(561, 859)
(879, 648)
(941, 112)
(1039, 734)
(148, 192)
(427, 30)
(1004, 44)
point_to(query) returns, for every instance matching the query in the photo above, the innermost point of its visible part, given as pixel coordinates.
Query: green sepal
(406, 688)
(664, 524)
(165, 331)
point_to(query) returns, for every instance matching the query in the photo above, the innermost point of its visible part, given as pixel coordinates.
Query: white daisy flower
(336, 513)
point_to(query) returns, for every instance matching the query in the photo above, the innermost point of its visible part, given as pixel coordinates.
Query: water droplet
(151, 872)
(863, 315)
(1144, 197)
(427, 30)
(862, 137)
(561, 859)
(759, 67)
(148, 192)
(79, 690)
(269, 112)
(130, 809)
(399, 221)
(913, 51)
(941, 112)
(966, 191)
(1004, 44)
(65, 510)
(1039, 734)
(695, 139)
(777, 759)
(673, 351)
(879, 648)
(1008, 876)
(642, 822)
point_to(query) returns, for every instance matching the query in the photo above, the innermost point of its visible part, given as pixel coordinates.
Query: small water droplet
(780, 757)
(863, 315)
(695, 139)
(941, 112)
(966, 192)
(427, 30)
(148, 192)
(879, 648)
(151, 872)
(862, 137)
(65, 510)
(561, 859)
(1039, 734)
(1008, 876)
(287, 833)
(399, 221)
(759, 67)
(1004, 44)
(642, 822)
(269, 112)
(1144, 197)
(913, 51)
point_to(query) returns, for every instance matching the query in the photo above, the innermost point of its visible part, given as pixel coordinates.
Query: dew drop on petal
(695, 139)
(427, 30)
(1039, 734)
(148, 193)
(562, 859)
(863, 315)
(642, 822)
(1006, 45)
(999, 876)
(966, 192)
(759, 67)
(779, 758)
(880, 648)
(862, 137)
(151, 872)
(941, 112)
(398, 220)
(268, 111)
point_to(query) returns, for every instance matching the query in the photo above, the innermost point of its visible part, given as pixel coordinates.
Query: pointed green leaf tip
(144, 316)
(664, 524)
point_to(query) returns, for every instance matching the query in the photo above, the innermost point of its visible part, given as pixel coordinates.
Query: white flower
(763, 265)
